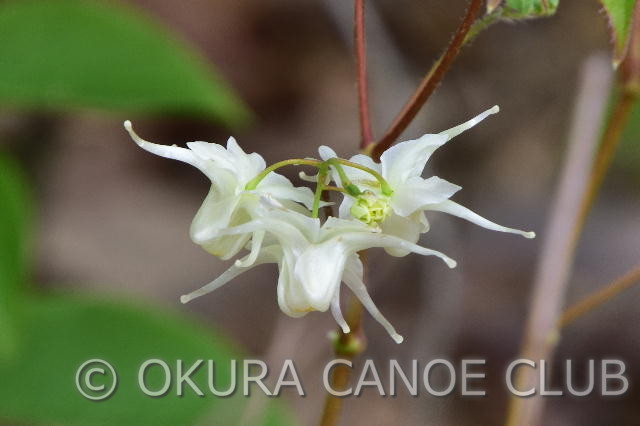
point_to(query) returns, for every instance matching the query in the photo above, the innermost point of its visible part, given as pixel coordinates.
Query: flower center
(370, 208)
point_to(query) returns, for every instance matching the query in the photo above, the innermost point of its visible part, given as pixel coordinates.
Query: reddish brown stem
(429, 83)
(599, 297)
(348, 347)
(366, 135)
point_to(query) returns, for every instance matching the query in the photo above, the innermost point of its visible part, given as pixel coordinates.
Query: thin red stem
(366, 135)
(599, 297)
(429, 83)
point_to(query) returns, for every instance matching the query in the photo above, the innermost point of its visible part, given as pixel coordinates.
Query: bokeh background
(110, 221)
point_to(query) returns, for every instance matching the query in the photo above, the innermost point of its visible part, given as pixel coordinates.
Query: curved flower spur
(251, 207)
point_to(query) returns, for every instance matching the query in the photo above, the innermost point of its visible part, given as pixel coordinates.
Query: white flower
(228, 203)
(313, 259)
(402, 166)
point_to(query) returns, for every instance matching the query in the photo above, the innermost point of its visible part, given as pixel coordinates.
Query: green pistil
(384, 185)
(323, 169)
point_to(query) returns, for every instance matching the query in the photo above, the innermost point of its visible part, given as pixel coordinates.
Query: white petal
(344, 212)
(234, 148)
(417, 192)
(406, 228)
(337, 313)
(291, 299)
(280, 187)
(354, 265)
(256, 245)
(455, 131)
(204, 235)
(212, 152)
(361, 177)
(166, 151)
(355, 175)
(407, 159)
(336, 228)
(267, 255)
(464, 213)
(292, 228)
(326, 152)
(319, 271)
(362, 241)
(244, 166)
(420, 217)
(216, 214)
(365, 160)
(354, 282)
(253, 162)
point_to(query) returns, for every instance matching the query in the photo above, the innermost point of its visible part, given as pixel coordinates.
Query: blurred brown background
(115, 216)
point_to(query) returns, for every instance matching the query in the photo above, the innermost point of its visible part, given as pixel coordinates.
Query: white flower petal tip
(345, 328)
(185, 299)
(450, 263)
(129, 128)
(478, 118)
(455, 131)
(397, 338)
(326, 152)
(529, 235)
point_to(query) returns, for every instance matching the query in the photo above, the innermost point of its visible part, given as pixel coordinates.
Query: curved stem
(366, 135)
(344, 179)
(335, 162)
(349, 187)
(384, 185)
(482, 24)
(336, 189)
(253, 183)
(430, 82)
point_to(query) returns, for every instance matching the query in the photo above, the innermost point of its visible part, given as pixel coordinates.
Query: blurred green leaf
(509, 11)
(15, 215)
(62, 333)
(620, 16)
(85, 53)
(522, 9)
